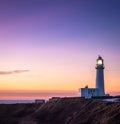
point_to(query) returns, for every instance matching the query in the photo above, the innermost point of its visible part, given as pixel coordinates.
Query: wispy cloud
(12, 72)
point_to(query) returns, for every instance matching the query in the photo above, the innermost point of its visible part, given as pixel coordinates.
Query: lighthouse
(100, 76)
(99, 89)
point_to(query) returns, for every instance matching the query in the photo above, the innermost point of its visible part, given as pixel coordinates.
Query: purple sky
(57, 40)
(94, 24)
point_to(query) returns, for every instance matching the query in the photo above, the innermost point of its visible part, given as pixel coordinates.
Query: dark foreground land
(62, 111)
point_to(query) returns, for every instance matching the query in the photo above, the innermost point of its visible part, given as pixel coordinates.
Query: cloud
(12, 72)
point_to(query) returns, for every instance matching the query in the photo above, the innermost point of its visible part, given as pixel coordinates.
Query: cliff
(62, 111)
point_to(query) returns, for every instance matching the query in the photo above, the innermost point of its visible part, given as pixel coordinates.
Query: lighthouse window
(89, 91)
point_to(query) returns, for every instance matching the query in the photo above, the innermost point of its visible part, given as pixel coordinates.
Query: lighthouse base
(89, 92)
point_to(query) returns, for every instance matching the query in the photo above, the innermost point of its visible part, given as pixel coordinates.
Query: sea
(30, 97)
(16, 101)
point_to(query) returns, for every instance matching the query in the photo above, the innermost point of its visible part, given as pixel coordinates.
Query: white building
(99, 90)
(89, 92)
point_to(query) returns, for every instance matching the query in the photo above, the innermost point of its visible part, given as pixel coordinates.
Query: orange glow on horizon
(49, 77)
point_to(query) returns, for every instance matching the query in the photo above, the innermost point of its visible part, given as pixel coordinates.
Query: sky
(50, 47)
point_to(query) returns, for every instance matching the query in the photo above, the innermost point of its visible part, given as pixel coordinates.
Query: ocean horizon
(16, 101)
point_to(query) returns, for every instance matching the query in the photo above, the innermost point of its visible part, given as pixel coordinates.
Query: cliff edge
(62, 111)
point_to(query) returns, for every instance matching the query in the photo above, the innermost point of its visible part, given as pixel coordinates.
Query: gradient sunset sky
(50, 47)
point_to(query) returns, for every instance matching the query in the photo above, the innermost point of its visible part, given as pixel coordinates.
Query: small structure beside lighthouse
(99, 90)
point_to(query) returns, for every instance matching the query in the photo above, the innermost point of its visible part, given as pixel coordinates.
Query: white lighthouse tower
(100, 76)
(99, 89)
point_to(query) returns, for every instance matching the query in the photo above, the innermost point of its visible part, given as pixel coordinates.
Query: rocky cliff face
(62, 111)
